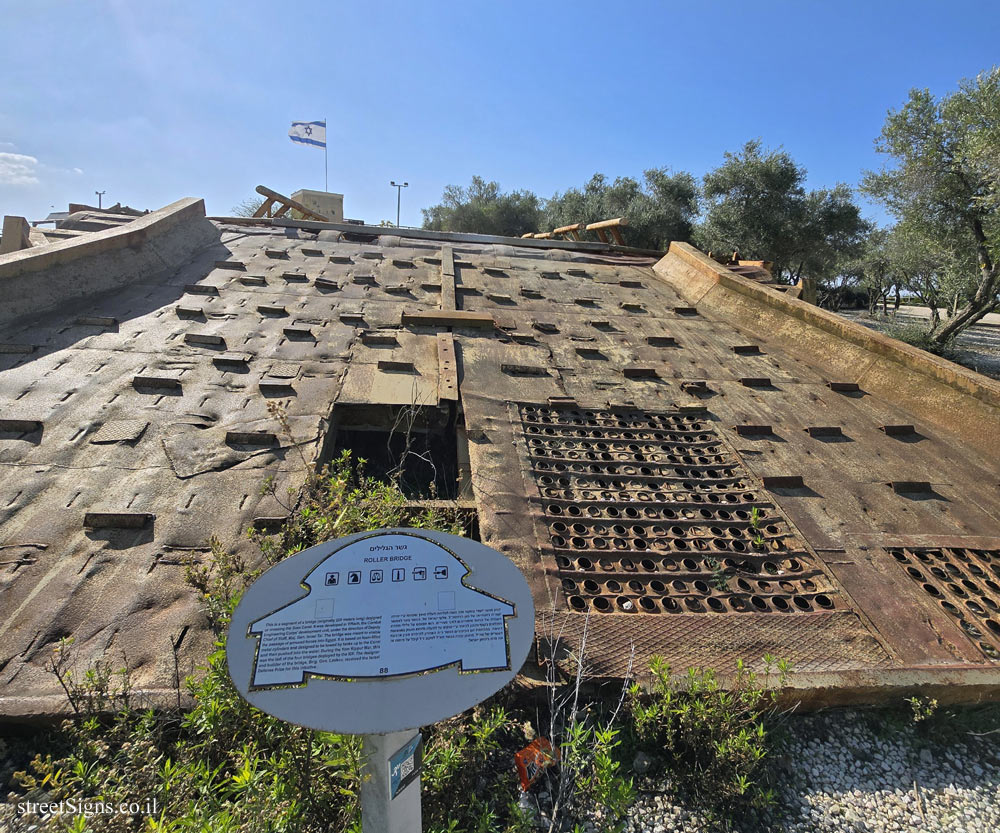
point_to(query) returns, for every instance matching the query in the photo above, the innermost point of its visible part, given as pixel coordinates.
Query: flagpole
(326, 167)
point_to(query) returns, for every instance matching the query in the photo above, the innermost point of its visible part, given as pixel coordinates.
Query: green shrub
(919, 335)
(223, 765)
(713, 741)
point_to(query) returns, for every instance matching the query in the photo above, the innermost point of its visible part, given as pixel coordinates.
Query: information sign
(381, 631)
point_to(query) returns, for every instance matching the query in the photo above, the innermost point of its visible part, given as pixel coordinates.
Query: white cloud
(8, 146)
(78, 170)
(18, 169)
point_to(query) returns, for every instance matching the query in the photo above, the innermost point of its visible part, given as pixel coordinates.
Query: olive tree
(945, 188)
(757, 204)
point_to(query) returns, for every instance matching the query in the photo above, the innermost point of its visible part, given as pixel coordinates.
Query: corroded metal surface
(669, 482)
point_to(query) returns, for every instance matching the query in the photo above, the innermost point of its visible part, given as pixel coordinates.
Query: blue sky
(152, 101)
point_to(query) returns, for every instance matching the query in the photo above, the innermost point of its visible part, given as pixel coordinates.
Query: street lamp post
(399, 190)
(100, 194)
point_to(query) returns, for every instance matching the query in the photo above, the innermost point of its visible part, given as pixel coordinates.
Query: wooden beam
(265, 209)
(618, 221)
(289, 203)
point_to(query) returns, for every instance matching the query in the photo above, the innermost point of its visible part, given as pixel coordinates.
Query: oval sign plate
(380, 631)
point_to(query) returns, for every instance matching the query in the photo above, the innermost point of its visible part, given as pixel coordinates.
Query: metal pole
(100, 194)
(380, 812)
(326, 166)
(399, 190)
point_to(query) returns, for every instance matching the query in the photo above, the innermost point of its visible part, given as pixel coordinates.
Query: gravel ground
(978, 348)
(842, 771)
(845, 772)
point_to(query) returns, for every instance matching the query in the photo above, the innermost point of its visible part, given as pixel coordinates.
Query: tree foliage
(945, 191)
(757, 205)
(660, 209)
(483, 208)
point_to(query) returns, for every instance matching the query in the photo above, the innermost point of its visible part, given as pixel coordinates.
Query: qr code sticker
(405, 768)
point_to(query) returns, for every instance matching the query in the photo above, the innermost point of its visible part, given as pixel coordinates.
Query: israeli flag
(309, 133)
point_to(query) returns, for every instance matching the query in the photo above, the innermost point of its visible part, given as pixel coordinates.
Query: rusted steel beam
(447, 368)
(448, 318)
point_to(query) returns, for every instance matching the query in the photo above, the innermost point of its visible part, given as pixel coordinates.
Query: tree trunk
(896, 302)
(985, 300)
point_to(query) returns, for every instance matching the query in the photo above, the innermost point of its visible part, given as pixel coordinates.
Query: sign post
(377, 634)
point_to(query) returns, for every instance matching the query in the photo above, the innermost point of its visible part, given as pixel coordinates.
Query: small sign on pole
(377, 634)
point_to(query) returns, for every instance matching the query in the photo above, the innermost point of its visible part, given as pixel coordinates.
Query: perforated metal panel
(965, 583)
(652, 513)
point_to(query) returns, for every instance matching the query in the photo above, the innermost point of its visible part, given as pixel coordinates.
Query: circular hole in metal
(614, 586)
(600, 543)
(970, 629)
(701, 587)
(801, 603)
(607, 564)
(591, 586)
(758, 603)
(568, 585)
(578, 543)
(958, 591)
(669, 604)
(585, 564)
(562, 562)
(765, 586)
(558, 541)
(993, 625)
(679, 586)
(690, 565)
(626, 604)
(780, 603)
(913, 571)
(648, 565)
(823, 600)
(715, 604)
(736, 603)
(975, 608)
(657, 586)
(693, 604)
(628, 565)
(636, 586)
(744, 585)
(577, 603)
(603, 604)
(931, 590)
(679, 544)
(647, 605)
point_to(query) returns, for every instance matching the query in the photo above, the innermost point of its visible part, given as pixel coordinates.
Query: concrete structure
(325, 203)
(678, 457)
